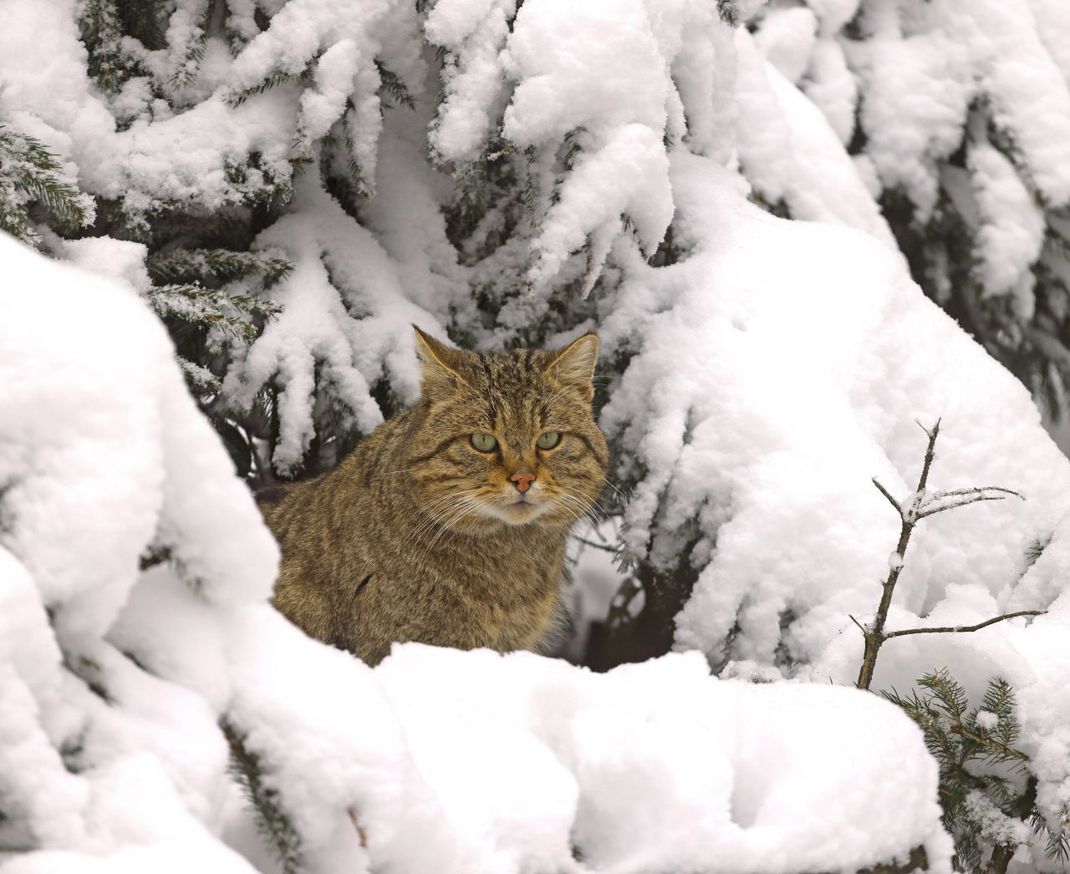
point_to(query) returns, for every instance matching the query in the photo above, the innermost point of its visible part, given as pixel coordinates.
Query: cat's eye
(548, 439)
(484, 442)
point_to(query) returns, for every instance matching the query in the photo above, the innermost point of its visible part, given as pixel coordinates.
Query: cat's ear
(441, 364)
(574, 365)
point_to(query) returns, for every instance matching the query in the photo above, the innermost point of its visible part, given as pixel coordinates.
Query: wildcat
(447, 525)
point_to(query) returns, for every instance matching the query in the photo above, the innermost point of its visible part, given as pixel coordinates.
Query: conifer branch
(236, 97)
(29, 172)
(272, 819)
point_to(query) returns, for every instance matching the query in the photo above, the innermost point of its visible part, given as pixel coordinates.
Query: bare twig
(951, 493)
(961, 497)
(962, 629)
(888, 495)
(874, 635)
(604, 547)
(356, 824)
(912, 510)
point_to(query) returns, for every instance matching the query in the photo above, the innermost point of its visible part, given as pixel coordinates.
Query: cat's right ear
(441, 364)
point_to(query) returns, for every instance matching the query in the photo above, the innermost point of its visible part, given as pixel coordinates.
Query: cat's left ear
(441, 364)
(574, 365)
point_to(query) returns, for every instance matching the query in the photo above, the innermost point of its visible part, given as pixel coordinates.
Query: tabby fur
(419, 536)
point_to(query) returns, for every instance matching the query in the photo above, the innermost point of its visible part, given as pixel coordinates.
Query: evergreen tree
(958, 116)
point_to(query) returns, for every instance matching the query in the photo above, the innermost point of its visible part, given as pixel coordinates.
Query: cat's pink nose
(523, 480)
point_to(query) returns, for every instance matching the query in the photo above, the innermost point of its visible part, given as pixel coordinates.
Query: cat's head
(507, 438)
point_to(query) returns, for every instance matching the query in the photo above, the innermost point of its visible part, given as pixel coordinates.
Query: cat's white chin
(517, 512)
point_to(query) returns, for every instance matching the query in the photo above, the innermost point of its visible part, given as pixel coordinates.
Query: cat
(447, 524)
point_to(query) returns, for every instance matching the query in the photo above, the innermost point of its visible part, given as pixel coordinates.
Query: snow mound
(811, 356)
(123, 693)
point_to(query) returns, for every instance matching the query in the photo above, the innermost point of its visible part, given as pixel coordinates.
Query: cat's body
(419, 535)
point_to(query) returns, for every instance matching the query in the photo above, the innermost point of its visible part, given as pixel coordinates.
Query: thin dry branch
(912, 510)
(962, 497)
(951, 493)
(962, 629)
(888, 495)
(356, 824)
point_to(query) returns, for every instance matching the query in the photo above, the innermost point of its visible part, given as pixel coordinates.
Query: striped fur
(418, 536)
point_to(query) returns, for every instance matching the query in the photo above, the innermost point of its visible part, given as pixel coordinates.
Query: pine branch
(102, 34)
(272, 819)
(394, 87)
(236, 97)
(983, 811)
(190, 265)
(236, 315)
(29, 172)
(190, 67)
(200, 379)
(729, 12)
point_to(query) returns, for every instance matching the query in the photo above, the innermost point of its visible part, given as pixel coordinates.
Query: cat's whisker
(613, 486)
(467, 507)
(575, 514)
(434, 512)
(573, 500)
(444, 506)
(429, 510)
(435, 522)
(585, 508)
(592, 506)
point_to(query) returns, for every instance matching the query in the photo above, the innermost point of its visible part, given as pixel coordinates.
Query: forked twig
(912, 510)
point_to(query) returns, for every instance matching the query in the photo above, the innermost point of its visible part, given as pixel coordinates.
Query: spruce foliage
(30, 178)
(987, 794)
(272, 820)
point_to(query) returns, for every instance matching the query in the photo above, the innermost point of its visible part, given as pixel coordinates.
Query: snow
(457, 761)
(996, 826)
(770, 375)
(786, 40)
(990, 78)
(334, 276)
(790, 153)
(474, 33)
(121, 260)
(810, 383)
(1011, 229)
(85, 561)
(598, 69)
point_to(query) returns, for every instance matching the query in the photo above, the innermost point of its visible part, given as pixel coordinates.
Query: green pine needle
(203, 265)
(984, 806)
(29, 173)
(272, 819)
